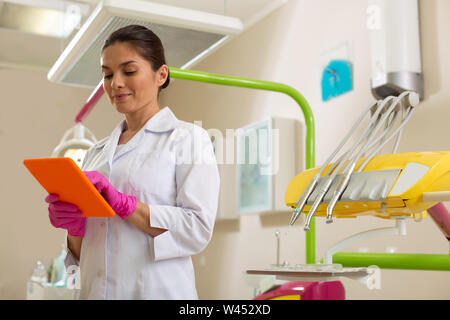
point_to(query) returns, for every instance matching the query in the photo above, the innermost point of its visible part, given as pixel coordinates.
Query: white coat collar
(164, 120)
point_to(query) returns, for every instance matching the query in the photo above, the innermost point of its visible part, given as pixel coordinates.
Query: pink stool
(326, 290)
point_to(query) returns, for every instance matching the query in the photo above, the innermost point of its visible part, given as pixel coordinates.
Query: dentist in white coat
(159, 175)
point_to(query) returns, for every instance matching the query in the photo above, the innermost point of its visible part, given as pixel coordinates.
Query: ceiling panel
(25, 50)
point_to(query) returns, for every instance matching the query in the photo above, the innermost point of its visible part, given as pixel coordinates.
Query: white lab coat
(169, 165)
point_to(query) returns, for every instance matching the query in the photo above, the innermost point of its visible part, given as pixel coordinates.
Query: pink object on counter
(441, 217)
(90, 103)
(326, 290)
(122, 204)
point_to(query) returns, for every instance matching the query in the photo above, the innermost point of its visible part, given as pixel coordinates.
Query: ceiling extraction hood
(187, 35)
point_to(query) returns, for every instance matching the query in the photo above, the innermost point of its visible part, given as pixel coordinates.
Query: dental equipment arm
(301, 202)
(343, 183)
(383, 113)
(329, 180)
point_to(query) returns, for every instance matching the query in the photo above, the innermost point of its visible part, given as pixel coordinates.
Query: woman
(157, 173)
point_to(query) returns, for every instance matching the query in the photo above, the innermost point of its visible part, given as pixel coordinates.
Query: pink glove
(122, 204)
(65, 215)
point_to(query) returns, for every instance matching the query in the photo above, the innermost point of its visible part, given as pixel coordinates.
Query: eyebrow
(120, 65)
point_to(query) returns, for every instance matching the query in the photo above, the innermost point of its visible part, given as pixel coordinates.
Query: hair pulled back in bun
(146, 43)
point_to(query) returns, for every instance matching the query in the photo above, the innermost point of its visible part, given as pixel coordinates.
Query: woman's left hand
(122, 204)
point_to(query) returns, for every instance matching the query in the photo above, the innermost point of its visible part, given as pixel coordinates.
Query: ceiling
(36, 52)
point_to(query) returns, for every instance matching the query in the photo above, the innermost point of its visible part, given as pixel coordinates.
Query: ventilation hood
(187, 35)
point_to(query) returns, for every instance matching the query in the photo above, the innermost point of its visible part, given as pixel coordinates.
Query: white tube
(398, 230)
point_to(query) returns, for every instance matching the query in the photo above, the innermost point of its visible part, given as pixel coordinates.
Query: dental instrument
(349, 168)
(339, 174)
(390, 185)
(301, 202)
(327, 182)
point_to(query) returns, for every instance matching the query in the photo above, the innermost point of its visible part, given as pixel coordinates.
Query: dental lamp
(75, 143)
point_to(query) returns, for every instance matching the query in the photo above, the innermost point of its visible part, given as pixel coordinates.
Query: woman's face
(128, 79)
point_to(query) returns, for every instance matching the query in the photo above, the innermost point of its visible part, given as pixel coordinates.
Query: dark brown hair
(146, 43)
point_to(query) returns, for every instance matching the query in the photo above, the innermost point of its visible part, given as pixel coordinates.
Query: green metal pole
(268, 86)
(439, 262)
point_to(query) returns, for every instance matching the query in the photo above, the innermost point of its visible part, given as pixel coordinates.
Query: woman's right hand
(65, 215)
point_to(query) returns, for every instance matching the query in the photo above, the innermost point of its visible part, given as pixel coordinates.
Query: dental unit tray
(267, 279)
(389, 185)
(311, 272)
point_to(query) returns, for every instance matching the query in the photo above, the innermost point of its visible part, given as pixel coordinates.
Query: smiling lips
(120, 97)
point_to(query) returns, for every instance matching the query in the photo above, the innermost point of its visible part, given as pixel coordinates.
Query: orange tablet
(63, 177)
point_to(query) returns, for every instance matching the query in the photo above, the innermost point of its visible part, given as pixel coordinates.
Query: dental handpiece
(342, 185)
(337, 194)
(326, 184)
(348, 169)
(301, 202)
(323, 190)
(306, 194)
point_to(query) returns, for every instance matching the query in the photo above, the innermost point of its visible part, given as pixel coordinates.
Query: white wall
(286, 47)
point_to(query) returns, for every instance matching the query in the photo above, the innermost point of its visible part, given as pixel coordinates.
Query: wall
(289, 47)
(286, 47)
